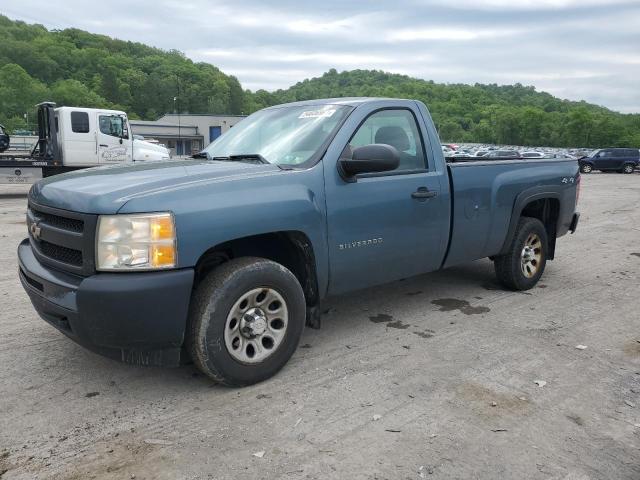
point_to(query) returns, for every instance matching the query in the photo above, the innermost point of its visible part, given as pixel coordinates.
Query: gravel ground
(432, 377)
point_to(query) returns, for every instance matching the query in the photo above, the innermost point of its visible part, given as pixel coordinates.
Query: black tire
(509, 267)
(211, 304)
(586, 168)
(628, 168)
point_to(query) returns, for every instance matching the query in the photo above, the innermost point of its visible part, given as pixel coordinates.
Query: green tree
(19, 92)
(74, 67)
(76, 94)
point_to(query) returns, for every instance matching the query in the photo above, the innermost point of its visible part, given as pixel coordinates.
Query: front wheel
(245, 321)
(586, 168)
(523, 264)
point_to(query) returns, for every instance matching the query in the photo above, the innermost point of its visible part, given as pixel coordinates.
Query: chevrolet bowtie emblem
(35, 231)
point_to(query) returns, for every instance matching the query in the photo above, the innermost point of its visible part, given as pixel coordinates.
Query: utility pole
(179, 131)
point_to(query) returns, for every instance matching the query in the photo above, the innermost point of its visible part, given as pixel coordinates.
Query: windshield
(287, 136)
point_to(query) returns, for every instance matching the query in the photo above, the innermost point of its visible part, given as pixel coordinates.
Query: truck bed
(485, 193)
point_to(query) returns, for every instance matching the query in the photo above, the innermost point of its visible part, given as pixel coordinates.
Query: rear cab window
(80, 122)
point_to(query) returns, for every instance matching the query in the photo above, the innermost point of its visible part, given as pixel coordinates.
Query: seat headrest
(394, 136)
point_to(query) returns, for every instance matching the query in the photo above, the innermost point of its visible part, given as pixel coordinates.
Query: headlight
(136, 242)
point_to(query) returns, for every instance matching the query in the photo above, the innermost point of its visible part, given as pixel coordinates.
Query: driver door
(389, 225)
(114, 145)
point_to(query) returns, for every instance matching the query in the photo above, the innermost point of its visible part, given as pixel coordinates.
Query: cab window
(397, 128)
(113, 125)
(79, 122)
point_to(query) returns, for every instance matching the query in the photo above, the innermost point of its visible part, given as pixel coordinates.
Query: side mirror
(377, 157)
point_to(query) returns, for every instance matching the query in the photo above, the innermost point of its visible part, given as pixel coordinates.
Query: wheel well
(291, 249)
(547, 210)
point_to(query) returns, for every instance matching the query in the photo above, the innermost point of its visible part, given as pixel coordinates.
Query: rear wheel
(628, 168)
(586, 168)
(523, 264)
(245, 321)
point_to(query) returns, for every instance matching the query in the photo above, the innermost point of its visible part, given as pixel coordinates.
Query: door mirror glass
(372, 158)
(125, 128)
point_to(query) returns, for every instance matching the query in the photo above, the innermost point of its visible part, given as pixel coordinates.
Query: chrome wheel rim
(531, 255)
(586, 168)
(628, 168)
(256, 325)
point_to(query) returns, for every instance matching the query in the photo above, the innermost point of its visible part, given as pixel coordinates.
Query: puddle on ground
(576, 419)
(388, 319)
(381, 318)
(450, 304)
(426, 334)
(398, 324)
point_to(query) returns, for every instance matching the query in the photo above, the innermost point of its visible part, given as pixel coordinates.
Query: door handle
(103, 145)
(423, 192)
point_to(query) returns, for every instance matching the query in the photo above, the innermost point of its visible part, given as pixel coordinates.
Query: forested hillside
(511, 114)
(73, 67)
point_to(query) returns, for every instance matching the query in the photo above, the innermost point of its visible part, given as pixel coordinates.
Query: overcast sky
(575, 49)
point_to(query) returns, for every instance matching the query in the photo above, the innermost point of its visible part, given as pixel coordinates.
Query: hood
(105, 190)
(149, 146)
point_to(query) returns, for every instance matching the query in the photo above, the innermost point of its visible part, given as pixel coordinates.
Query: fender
(522, 200)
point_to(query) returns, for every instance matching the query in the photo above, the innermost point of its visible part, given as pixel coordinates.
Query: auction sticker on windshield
(317, 113)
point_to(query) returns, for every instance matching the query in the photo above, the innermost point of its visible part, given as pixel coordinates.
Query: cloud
(575, 49)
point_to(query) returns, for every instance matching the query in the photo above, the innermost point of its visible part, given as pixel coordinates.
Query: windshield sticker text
(317, 113)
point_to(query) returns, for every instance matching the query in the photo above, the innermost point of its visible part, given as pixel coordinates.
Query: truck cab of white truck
(90, 137)
(71, 138)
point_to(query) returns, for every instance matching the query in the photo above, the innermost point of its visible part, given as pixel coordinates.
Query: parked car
(562, 155)
(623, 160)
(503, 154)
(4, 139)
(533, 155)
(228, 255)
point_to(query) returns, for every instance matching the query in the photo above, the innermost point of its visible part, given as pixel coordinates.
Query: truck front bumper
(138, 318)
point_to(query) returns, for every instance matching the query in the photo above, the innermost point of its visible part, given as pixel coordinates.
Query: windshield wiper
(244, 157)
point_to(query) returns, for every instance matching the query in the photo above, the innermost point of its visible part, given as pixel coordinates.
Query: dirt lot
(432, 377)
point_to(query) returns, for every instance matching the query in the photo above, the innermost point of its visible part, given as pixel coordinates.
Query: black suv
(623, 160)
(4, 139)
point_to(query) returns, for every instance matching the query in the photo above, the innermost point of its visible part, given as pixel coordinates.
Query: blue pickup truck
(223, 259)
